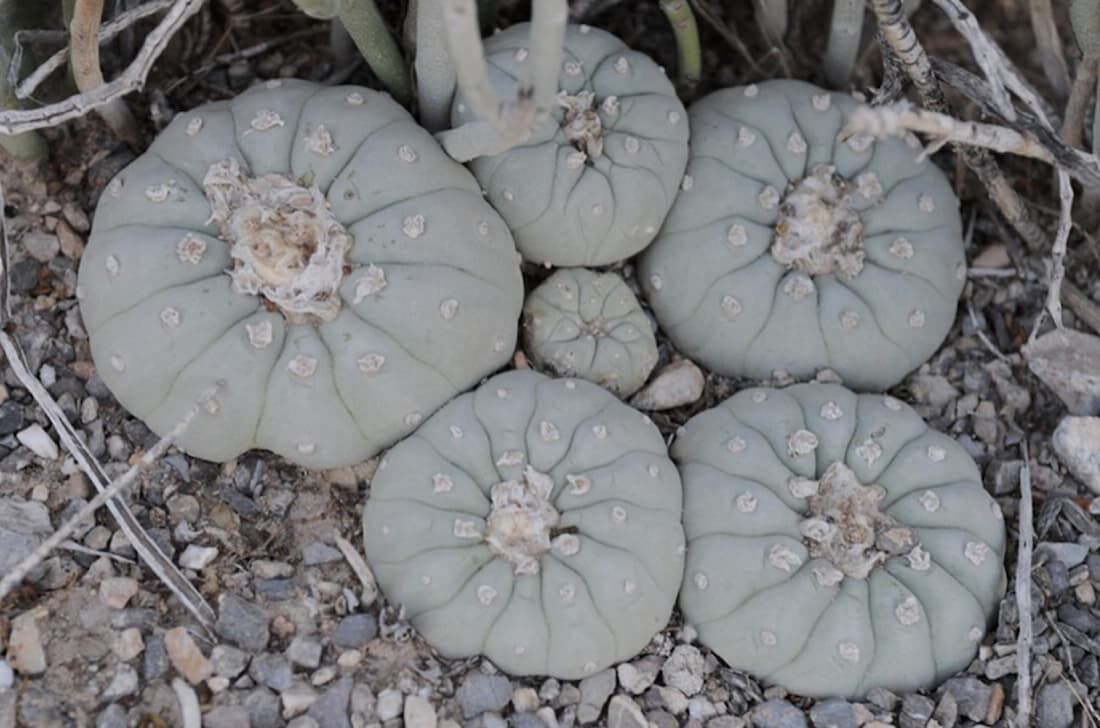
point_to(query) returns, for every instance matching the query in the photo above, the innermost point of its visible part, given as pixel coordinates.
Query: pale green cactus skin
(767, 602)
(605, 586)
(590, 325)
(725, 299)
(167, 322)
(574, 204)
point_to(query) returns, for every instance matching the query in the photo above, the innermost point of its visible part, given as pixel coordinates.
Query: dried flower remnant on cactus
(793, 249)
(590, 325)
(593, 185)
(316, 254)
(877, 527)
(534, 521)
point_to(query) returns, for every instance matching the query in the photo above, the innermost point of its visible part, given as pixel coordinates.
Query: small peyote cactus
(534, 521)
(586, 324)
(314, 255)
(791, 250)
(592, 186)
(849, 507)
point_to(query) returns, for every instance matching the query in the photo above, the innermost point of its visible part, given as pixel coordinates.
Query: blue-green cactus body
(835, 542)
(304, 262)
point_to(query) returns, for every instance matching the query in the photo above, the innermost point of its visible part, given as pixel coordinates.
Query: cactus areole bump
(304, 264)
(534, 521)
(851, 508)
(792, 250)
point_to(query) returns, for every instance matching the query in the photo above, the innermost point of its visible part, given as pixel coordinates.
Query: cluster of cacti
(589, 325)
(535, 521)
(835, 542)
(594, 183)
(792, 251)
(265, 258)
(308, 270)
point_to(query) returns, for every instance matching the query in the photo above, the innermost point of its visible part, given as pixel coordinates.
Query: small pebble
(623, 712)
(1054, 706)
(1077, 442)
(128, 644)
(7, 675)
(226, 716)
(123, 684)
(683, 669)
(117, 591)
(777, 714)
(595, 690)
(186, 656)
(637, 676)
(35, 439)
(389, 704)
(196, 557)
(304, 651)
(355, 630)
(271, 670)
(419, 713)
(242, 623)
(1068, 362)
(41, 246)
(481, 693)
(677, 384)
(296, 699)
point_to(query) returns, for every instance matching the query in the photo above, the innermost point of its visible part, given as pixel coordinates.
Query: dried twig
(1025, 543)
(145, 547)
(1049, 45)
(1077, 107)
(903, 42)
(842, 49)
(132, 79)
(1081, 305)
(359, 566)
(84, 51)
(24, 567)
(24, 89)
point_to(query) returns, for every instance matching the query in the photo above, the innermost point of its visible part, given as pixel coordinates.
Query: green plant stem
(684, 27)
(368, 29)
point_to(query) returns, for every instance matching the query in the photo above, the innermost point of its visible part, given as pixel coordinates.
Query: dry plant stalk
(1026, 538)
(132, 79)
(1048, 42)
(84, 51)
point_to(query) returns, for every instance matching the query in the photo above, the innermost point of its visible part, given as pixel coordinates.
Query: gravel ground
(93, 638)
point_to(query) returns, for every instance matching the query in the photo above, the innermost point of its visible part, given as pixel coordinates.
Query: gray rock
(26, 653)
(155, 661)
(777, 714)
(263, 709)
(123, 684)
(389, 704)
(42, 246)
(1077, 442)
(318, 552)
(932, 389)
(113, 716)
(419, 713)
(677, 384)
(726, 721)
(971, 695)
(683, 670)
(275, 590)
(882, 698)
(1054, 706)
(637, 676)
(662, 719)
(304, 721)
(946, 713)
(23, 526)
(625, 713)
(228, 662)
(7, 675)
(271, 670)
(833, 713)
(304, 651)
(355, 630)
(595, 690)
(242, 623)
(1068, 362)
(520, 720)
(11, 417)
(331, 709)
(226, 716)
(916, 711)
(24, 275)
(481, 693)
(297, 699)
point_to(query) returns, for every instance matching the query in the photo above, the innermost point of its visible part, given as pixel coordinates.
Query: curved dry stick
(84, 52)
(1049, 45)
(132, 79)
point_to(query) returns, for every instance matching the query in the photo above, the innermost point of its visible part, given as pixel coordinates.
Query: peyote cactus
(789, 249)
(851, 508)
(314, 254)
(586, 324)
(594, 183)
(535, 521)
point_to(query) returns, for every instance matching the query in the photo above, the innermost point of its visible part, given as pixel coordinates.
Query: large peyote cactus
(535, 521)
(594, 183)
(586, 324)
(835, 542)
(314, 256)
(789, 249)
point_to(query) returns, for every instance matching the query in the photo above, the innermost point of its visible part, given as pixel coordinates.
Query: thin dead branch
(84, 51)
(1048, 43)
(132, 79)
(1077, 107)
(1025, 543)
(902, 41)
